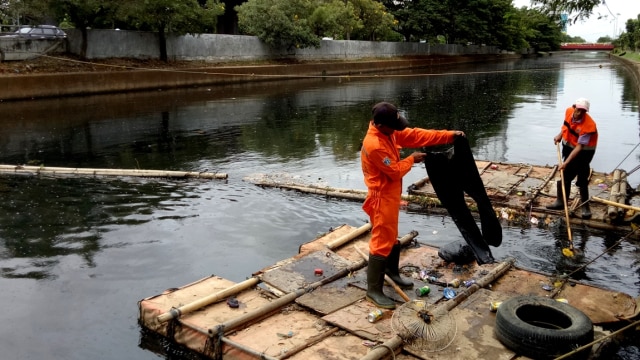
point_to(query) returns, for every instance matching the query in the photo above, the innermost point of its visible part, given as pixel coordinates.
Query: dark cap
(387, 114)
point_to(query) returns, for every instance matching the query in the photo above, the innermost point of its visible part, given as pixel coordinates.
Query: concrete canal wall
(633, 66)
(89, 83)
(219, 47)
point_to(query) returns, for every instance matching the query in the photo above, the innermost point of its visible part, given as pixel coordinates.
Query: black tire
(542, 328)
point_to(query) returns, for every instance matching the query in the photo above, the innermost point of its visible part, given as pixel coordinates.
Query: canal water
(76, 254)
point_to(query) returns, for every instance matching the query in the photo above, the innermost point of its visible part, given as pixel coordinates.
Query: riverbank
(632, 62)
(48, 77)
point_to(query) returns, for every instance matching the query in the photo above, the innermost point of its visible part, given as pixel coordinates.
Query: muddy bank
(127, 79)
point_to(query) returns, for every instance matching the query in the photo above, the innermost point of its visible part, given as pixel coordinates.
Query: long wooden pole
(31, 170)
(386, 277)
(564, 199)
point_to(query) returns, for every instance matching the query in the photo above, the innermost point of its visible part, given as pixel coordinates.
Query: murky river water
(76, 254)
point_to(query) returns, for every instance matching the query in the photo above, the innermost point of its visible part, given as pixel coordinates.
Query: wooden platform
(311, 306)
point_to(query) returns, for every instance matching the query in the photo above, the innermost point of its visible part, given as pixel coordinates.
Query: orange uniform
(572, 130)
(383, 172)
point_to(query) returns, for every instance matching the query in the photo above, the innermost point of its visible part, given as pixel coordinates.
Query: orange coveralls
(383, 171)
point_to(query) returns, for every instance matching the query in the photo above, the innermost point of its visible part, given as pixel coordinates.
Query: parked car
(40, 32)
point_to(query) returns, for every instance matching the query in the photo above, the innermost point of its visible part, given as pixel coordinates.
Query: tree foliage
(581, 8)
(630, 39)
(170, 16)
(302, 23)
(279, 22)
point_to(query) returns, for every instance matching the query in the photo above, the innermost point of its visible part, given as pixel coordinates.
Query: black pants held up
(452, 174)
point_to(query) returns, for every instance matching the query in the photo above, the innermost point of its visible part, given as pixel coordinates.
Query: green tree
(279, 22)
(84, 14)
(605, 39)
(377, 22)
(543, 31)
(335, 18)
(582, 8)
(170, 16)
(24, 12)
(571, 39)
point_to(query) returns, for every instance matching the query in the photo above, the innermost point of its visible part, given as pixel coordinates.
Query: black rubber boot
(392, 268)
(375, 282)
(584, 199)
(559, 203)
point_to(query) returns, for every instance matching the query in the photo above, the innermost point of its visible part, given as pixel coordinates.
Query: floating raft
(519, 193)
(63, 171)
(312, 306)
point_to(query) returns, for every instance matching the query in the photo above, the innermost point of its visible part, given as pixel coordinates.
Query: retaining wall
(16, 87)
(220, 47)
(633, 66)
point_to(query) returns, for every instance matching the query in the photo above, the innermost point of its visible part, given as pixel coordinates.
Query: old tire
(542, 328)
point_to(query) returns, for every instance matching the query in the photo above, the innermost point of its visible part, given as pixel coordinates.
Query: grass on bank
(632, 56)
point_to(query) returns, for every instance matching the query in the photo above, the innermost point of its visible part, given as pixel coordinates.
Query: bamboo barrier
(207, 300)
(39, 170)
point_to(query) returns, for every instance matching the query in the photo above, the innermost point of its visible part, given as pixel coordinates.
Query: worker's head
(582, 106)
(386, 114)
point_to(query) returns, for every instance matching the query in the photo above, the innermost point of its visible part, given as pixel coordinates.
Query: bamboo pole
(589, 345)
(616, 204)
(484, 281)
(537, 191)
(31, 170)
(348, 237)
(234, 323)
(312, 341)
(257, 354)
(386, 277)
(408, 237)
(383, 349)
(564, 200)
(612, 211)
(207, 300)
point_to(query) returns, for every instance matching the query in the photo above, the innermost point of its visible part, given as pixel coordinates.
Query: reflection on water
(49, 218)
(92, 247)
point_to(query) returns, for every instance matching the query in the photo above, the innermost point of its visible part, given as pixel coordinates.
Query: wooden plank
(353, 319)
(279, 333)
(301, 272)
(336, 295)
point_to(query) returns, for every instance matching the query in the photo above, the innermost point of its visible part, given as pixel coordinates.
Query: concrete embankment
(633, 66)
(21, 87)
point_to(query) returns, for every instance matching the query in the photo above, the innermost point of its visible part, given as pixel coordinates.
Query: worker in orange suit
(383, 171)
(579, 136)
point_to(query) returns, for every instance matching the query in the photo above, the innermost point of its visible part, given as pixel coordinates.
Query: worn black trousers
(453, 173)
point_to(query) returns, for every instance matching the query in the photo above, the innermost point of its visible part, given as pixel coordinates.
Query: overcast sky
(594, 28)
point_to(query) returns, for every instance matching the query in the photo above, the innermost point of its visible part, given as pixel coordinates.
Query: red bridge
(586, 46)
